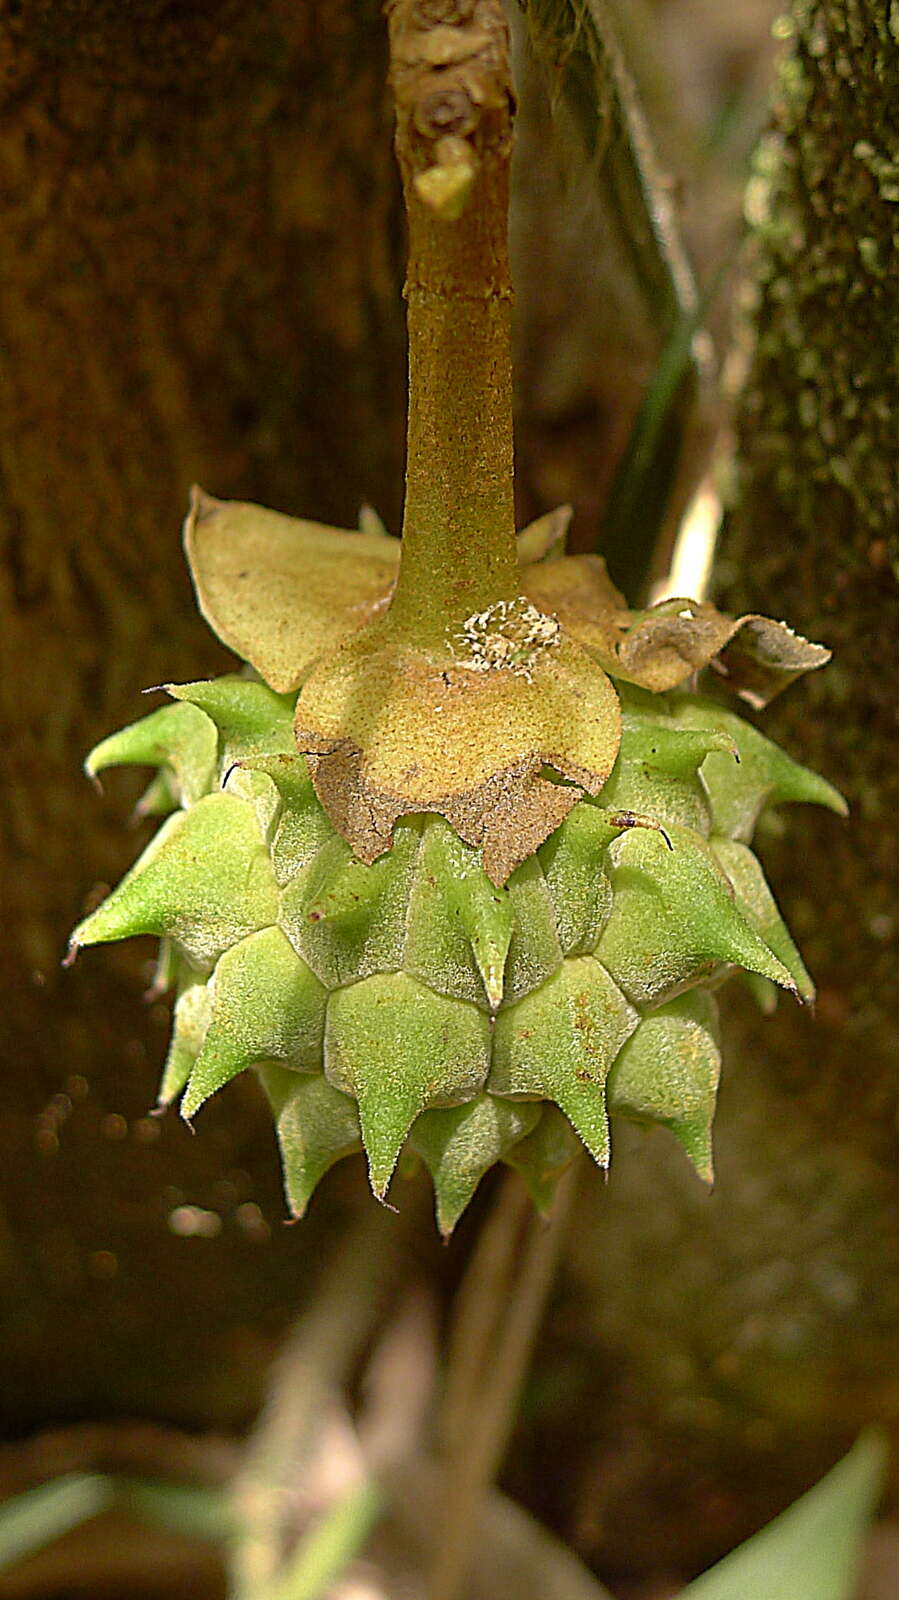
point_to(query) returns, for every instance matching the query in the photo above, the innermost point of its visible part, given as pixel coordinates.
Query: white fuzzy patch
(509, 635)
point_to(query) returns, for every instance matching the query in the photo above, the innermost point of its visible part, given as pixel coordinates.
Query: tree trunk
(816, 539)
(743, 1339)
(200, 279)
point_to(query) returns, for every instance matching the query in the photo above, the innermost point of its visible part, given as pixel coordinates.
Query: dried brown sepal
(280, 591)
(660, 648)
(508, 817)
(763, 657)
(579, 591)
(757, 655)
(391, 730)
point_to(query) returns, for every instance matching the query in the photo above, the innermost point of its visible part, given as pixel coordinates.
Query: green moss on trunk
(753, 1331)
(816, 536)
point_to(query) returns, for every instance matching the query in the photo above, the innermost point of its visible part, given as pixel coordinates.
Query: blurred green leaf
(33, 1520)
(813, 1550)
(640, 467)
(195, 1510)
(330, 1545)
(579, 46)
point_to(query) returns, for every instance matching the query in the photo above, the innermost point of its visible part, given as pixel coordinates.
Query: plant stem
(500, 1307)
(454, 101)
(311, 1369)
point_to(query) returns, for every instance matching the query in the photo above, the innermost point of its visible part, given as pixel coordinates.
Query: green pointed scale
(348, 920)
(579, 886)
(399, 1048)
(675, 918)
(301, 827)
(657, 771)
(458, 926)
(764, 776)
(160, 798)
(250, 718)
(190, 1020)
(265, 1003)
(559, 1043)
(316, 1126)
(180, 740)
(542, 1156)
(753, 895)
(205, 881)
(667, 1074)
(412, 1003)
(462, 1143)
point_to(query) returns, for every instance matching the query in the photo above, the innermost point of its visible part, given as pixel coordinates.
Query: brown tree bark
(746, 1337)
(816, 537)
(200, 278)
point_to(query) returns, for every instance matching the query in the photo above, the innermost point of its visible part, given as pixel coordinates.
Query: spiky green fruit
(458, 861)
(414, 1000)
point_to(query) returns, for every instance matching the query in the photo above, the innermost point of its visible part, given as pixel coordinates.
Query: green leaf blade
(813, 1550)
(35, 1519)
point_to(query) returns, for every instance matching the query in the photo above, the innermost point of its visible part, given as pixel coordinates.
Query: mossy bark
(201, 279)
(816, 537)
(747, 1335)
(753, 1332)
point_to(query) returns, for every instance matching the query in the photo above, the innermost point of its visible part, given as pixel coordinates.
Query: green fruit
(413, 1000)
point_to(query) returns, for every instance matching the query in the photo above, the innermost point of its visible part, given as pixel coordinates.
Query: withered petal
(764, 656)
(579, 591)
(545, 536)
(756, 654)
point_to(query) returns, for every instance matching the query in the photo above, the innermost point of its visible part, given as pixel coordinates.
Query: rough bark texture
(200, 279)
(817, 537)
(748, 1336)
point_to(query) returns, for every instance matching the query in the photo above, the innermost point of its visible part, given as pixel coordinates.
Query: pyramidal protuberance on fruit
(456, 860)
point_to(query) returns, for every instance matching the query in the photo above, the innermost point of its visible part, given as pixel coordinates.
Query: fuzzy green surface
(412, 1001)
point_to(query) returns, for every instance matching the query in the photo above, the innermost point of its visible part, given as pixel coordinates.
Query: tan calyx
(391, 729)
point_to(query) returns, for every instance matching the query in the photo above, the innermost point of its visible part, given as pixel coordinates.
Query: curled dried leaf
(757, 655)
(279, 591)
(660, 648)
(762, 657)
